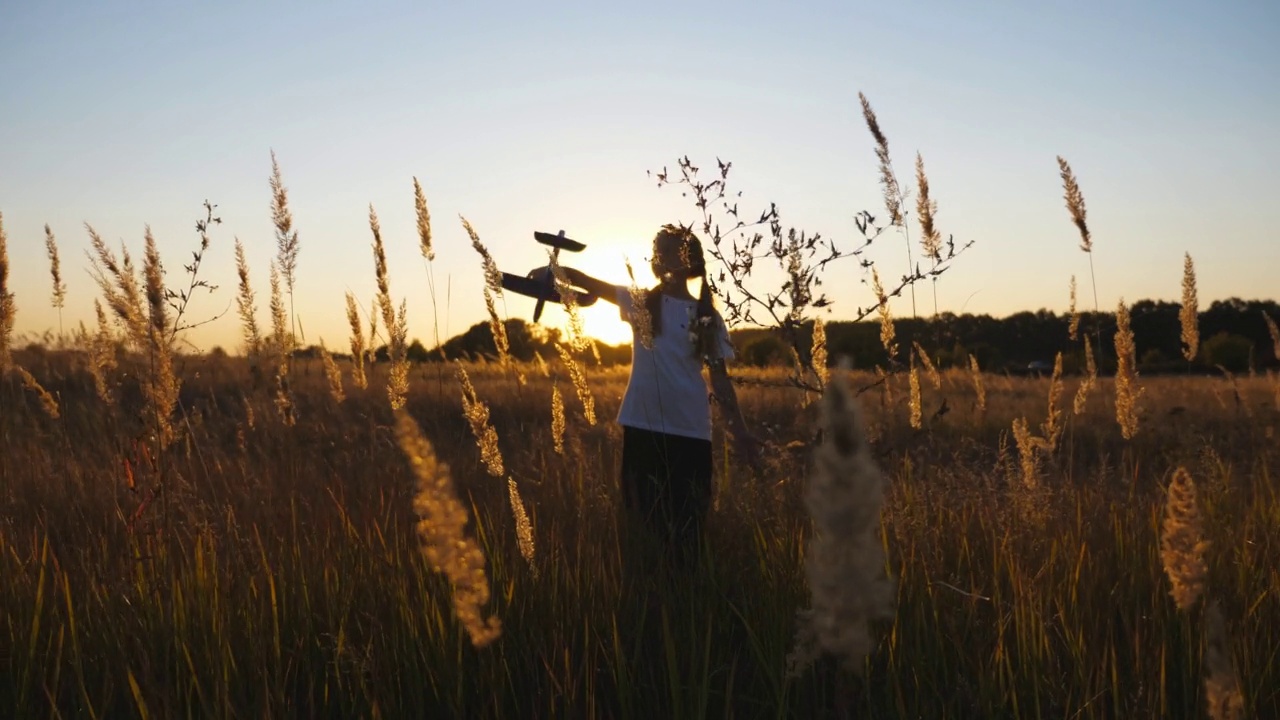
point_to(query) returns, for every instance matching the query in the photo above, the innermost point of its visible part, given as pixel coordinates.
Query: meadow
(276, 533)
(279, 573)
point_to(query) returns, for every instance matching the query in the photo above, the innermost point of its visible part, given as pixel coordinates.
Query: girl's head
(677, 255)
(677, 258)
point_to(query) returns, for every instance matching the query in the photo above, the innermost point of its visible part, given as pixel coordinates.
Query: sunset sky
(546, 116)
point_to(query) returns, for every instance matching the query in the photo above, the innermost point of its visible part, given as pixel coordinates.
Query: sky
(544, 117)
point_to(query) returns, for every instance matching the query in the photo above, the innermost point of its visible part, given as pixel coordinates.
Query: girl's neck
(676, 288)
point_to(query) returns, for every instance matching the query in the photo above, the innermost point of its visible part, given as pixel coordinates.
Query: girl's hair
(677, 255)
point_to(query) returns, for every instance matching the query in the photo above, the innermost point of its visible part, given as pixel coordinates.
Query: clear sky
(545, 116)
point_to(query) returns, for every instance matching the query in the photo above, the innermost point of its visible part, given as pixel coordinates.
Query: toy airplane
(540, 283)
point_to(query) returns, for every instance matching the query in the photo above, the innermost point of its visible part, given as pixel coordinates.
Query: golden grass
(442, 528)
(8, 308)
(1188, 314)
(1128, 393)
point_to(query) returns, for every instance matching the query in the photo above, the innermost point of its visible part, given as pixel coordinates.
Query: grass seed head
(8, 308)
(424, 221)
(1089, 380)
(845, 566)
(1075, 203)
(59, 296)
(1188, 314)
(287, 243)
(524, 529)
(914, 403)
(1128, 393)
(926, 210)
(888, 180)
(357, 343)
(1182, 541)
(477, 414)
(442, 530)
(246, 305)
(47, 401)
(976, 374)
(1073, 328)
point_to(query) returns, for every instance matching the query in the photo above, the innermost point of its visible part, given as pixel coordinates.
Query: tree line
(1234, 335)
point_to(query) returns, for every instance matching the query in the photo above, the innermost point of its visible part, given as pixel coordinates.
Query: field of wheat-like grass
(263, 566)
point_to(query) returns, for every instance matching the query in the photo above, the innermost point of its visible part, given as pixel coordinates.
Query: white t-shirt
(666, 392)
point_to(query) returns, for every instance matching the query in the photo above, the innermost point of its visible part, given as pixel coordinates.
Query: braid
(706, 329)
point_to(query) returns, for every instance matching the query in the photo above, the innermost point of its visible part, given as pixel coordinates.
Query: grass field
(279, 572)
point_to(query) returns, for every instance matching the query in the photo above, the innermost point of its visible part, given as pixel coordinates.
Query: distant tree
(765, 351)
(1232, 352)
(417, 352)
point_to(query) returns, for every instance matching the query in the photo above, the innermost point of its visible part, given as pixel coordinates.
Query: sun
(607, 260)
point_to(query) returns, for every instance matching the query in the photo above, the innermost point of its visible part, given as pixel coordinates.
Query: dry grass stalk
(492, 289)
(333, 374)
(557, 419)
(579, 377)
(287, 244)
(889, 181)
(569, 300)
(47, 401)
(541, 364)
(1188, 314)
(443, 531)
(1028, 453)
(1128, 394)
(102, 355)
(1053, 425)
(1075, 203)
(524, 530)
(8, 308)
(357, 343)
(497, 328)
(845, 564)
(1221, 684)
(246, 305)
(118, 281)
(477, 414)
(397, 326)
(373, 331)
(887, 332)
(976, 373)
(1275, 334)
(492, 276)
(161, 386)
(281, 351)
(1182, 542)
(641, 321)
(1073, 328)
(59, 297)
(424, 221)
(935, 378)
(914, 403)
(818, 354)
(926, 209)
(1090, 378)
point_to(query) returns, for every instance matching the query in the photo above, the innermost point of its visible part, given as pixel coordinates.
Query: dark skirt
(666, 488)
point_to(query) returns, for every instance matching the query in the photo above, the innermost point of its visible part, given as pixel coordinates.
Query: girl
(666, 413)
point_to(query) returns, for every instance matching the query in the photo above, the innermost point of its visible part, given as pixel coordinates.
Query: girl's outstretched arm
(599, 288)
(746, 445)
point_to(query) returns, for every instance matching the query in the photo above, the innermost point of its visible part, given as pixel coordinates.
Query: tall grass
(291, 582)
(400, 548)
